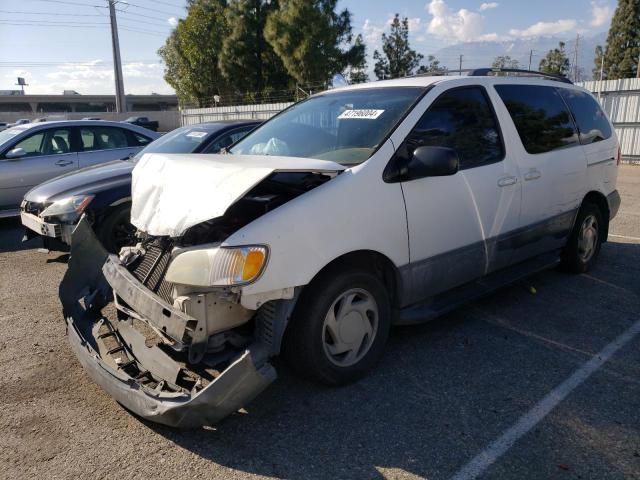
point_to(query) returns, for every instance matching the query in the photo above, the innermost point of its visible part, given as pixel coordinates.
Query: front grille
(151, 267)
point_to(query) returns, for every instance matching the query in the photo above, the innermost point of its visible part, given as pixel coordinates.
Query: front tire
(115, 231)
(583, 247)
(339, 327)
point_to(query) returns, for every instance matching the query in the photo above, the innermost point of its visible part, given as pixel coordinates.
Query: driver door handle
(64, 163)
(506, 181)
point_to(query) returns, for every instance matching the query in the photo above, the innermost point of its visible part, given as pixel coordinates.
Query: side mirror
(432, 162)
(15, 154)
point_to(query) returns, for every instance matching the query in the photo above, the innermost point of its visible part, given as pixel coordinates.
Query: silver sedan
(35, 152)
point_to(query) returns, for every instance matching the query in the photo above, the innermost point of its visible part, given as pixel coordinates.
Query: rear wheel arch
(600, 200)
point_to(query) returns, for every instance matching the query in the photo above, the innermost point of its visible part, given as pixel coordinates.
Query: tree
(397, 58)
(358, 72)
(312, 39)
(247, 60)
(432, 67)
(623, 42)
(505, 61)
(556, 61)
(191, 52)
(597, 64)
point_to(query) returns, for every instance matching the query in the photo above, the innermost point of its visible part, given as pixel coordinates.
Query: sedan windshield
(344, 127)
(181, 140)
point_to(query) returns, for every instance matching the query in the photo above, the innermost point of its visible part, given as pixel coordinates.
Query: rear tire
(339, 327)
(583, 247)
(115, 230)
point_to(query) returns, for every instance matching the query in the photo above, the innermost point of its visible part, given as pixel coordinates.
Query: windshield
(344, 127)
(181, 140)
(9, 133)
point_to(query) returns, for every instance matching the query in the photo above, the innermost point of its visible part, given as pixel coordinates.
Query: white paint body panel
(172, 192)
(354, 211)
(447, 213)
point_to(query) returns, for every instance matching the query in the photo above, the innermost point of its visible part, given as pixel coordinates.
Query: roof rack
(485, 72)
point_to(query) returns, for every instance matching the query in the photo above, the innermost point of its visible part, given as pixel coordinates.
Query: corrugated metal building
(621, 100)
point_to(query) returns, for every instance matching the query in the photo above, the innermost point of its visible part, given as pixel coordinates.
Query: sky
(66, 44)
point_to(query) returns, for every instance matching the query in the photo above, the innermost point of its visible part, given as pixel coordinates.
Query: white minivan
(359, 208)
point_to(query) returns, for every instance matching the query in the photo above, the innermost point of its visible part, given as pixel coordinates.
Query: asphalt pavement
(539, 380)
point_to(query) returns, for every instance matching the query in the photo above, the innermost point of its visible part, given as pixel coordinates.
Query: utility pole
(601, 75)
(460, 63)
(121, 100)
(530, 57)
(575, 59)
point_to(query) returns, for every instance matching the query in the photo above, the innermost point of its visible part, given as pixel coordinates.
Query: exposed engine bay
(275, 190)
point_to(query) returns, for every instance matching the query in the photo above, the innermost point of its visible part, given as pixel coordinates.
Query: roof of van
(425, 80)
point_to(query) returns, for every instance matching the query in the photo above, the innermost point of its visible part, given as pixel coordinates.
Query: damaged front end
(164, 327)
(155, 359)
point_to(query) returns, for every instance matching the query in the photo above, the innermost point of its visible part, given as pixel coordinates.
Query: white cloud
(488, 6)
(372, 32)
(545, 28)
(462, 25)
(414, 24)
(92, 77)
(600, 14)
(173, 21)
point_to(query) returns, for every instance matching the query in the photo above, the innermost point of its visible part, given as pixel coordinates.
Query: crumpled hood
(173, 192)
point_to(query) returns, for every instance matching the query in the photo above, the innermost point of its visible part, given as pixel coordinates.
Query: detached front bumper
(140, 383)
(59, 231)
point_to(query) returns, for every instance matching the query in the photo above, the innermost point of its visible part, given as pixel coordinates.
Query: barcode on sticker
(364, 114)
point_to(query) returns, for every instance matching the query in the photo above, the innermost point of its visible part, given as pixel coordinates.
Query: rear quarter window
(541, 117)
(591, 120)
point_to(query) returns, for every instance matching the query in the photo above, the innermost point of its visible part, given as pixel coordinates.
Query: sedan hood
(88, 180)
(171, 193)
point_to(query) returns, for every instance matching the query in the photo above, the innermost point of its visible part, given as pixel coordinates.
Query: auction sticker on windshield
(361, 114)
(197, 134)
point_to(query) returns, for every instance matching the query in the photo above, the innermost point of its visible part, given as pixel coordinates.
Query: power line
(133, 5)
(23, 24)
(156, 24)
(63, 2)
(55, 22)
(140, 15)
(163, 35)
(169, 4)
(53, 13)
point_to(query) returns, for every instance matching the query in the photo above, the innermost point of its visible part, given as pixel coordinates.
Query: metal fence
(191, 116)
(620, 99)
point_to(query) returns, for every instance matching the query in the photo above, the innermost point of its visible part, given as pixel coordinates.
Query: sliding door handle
(506, 181)
(64, 163)
(532, 175)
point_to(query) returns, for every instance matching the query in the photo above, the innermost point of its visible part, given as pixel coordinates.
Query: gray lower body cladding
(143, 378)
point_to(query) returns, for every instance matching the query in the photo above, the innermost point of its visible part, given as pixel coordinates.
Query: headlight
(67, 209)
(222, 266)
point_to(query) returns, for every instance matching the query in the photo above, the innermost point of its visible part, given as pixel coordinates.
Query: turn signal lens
(252, 265)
